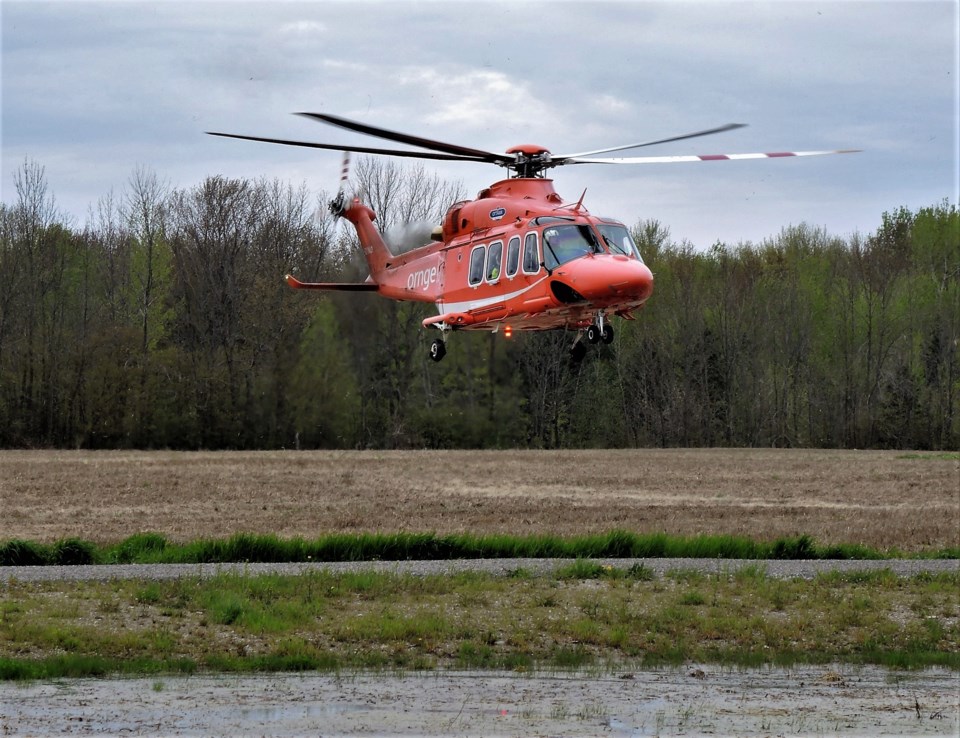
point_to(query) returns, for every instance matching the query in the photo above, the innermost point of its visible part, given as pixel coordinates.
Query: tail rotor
(339, 203)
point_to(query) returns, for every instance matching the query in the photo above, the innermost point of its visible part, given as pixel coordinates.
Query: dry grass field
(878, 498)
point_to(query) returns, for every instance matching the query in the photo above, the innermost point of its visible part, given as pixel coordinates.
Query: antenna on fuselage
(576, 207)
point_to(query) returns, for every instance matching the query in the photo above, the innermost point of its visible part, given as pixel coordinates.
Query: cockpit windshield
(562, 243)
(617, 239)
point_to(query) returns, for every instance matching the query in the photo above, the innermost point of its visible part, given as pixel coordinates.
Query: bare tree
(146, 211)
(408, 201)
(37, 234)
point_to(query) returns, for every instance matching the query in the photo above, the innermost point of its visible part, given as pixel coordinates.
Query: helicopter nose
(604, 280)
(642, 282)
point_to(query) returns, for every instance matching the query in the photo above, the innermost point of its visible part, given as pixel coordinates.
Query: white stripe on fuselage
(467, 306)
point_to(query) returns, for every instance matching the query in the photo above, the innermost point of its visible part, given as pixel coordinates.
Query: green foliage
(692, 598)
(23, 553)
(73, 552)
(140, 547)
(793, 548)
(248, 547)
(166, 324)
(584, 615)
(943, 456)
(325, 399)
(581, 569)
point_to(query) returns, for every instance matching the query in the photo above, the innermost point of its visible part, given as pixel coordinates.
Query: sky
(93, 91)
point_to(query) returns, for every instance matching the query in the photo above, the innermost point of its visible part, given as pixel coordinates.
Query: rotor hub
(529, 160)
(529, 150)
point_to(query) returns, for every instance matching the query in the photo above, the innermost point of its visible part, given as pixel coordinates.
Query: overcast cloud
(93, 90)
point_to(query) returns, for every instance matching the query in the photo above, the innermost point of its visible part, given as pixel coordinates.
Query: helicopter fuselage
(516, 256)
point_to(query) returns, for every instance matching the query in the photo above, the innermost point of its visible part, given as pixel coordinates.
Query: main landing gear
(438, 349)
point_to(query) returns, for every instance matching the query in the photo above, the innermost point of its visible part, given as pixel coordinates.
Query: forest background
(164, 322)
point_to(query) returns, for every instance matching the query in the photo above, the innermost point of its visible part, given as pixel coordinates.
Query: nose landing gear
(601, 330)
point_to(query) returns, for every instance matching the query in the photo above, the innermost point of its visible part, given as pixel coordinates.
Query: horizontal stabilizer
(341, 286)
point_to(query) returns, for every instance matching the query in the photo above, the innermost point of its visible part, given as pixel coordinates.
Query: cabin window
(531, 254)
(477, 257)
(494, 260)
(513, 256)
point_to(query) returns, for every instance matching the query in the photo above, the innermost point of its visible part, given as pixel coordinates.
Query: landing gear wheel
(593, 333)
(438, 349)
(607, 333)
(577, 352)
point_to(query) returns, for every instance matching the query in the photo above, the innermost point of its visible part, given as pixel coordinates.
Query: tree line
(164, 322)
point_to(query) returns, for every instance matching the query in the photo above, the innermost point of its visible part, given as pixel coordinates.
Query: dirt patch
(877, 498)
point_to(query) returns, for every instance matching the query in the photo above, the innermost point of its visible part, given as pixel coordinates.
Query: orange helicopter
(517, 257)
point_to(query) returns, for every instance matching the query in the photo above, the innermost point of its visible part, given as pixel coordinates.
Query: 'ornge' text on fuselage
(422, 279)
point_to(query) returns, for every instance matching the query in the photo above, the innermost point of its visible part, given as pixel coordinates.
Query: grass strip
(150, 548)
(584, 616)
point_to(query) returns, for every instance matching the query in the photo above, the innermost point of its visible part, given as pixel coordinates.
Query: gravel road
(777, 569)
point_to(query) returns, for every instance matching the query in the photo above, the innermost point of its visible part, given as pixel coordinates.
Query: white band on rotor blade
(706, 157)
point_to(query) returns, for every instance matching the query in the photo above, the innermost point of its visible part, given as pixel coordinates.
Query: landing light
(507, 331)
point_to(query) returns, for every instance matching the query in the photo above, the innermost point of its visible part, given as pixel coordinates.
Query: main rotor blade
(703, 157)
(711, 131)
(426, 143)
(358, 149)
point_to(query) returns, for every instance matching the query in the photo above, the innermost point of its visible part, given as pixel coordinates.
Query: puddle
(823, 700)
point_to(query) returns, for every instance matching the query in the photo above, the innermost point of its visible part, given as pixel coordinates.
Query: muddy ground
(877, 498)
(694, 700)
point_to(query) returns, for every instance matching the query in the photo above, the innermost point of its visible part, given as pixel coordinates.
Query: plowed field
(881, 499)
(877, 498)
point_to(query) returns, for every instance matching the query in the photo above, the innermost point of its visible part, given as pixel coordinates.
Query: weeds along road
(779, 569)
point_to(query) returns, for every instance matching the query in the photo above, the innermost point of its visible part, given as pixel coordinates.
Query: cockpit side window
(563, 243)
(617, 240)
